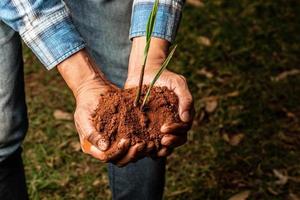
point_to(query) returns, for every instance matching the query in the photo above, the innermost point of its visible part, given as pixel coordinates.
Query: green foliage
(149, 30)
(159, 72)
(150, 26)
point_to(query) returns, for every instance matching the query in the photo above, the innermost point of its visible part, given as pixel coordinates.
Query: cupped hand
(87, 83)
(175, 133)
(87, 94)
(93, 142)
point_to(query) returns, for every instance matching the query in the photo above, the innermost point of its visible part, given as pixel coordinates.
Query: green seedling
(149, 31)
(159, 72)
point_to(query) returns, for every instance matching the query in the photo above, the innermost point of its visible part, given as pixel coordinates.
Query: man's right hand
(87, 84)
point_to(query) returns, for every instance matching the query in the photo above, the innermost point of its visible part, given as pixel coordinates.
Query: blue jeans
(13, 116)
(104, 24)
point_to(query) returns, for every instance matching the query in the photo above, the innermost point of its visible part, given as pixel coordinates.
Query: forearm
(79, 70)
(45, 26)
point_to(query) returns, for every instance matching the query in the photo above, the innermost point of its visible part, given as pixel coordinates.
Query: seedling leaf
(160, 71)
(151, 20)
(149, 31)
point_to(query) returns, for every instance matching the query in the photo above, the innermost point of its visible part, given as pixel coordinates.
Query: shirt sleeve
(45, 26)
(167, 18)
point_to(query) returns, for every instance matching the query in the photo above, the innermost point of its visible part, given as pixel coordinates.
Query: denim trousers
(104, 24)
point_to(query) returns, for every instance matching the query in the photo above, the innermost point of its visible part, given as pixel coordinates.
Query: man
(101, 32)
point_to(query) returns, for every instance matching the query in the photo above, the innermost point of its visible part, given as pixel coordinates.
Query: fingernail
(165, 140)
(103, 144)
(123, 142)
(185, 116)
(164, 128)
(162, 152)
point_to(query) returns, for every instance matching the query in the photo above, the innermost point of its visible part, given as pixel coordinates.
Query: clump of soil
(116, 116)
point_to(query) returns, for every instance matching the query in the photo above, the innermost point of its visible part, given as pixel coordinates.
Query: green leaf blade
(160, 71)
(149, 31)
(151, 21)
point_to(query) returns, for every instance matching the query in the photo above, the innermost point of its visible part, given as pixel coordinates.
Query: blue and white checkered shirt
(46, 26)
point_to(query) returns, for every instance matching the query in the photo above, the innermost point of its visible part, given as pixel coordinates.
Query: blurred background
(242, 60)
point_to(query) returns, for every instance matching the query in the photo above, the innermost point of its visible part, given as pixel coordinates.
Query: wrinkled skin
(175, 133)
(94, 144)
(88, 83)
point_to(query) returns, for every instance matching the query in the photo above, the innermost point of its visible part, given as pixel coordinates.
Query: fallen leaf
(40, 137)
(295, 179)
(289, 114)
(233, 94)
(233, 140)
(61, 115)
(241, 196)
(76, 146)
(63, 144)
(86, 169)
(204, 41)
(285, 74)
(201, 85)
(179, 192)
(272, 191)
(205, 72)
(196, 3)
(64, 181)
(201, 116)
(97, 182)
(282, 178)
(81, 195)
(293, 196)
(211, 106)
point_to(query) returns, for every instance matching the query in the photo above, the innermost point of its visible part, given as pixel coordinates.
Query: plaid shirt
(46, 26)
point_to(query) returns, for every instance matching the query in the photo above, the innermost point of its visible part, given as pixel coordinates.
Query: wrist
(79, 70)
(158, 52)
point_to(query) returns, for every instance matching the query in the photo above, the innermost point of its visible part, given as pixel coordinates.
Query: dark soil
(117, 117)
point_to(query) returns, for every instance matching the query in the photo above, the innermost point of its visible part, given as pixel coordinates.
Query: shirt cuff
(53, 38)
(167, 19)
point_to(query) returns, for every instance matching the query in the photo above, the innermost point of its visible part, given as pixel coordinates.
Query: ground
(241, 59)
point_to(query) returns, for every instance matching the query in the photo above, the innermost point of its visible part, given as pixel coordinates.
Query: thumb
(87, 131)
(99, 140)
(185, 102)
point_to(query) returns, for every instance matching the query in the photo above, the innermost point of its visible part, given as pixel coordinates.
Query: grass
(232, 53)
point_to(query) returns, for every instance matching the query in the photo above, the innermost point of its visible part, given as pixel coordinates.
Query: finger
(172, 141)
(122, 149)
(94, 151)
(150, 147)
(99, 140)
(86, 129)
(164, 152)
(185, 100)
(175, 127)
(131, 155)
